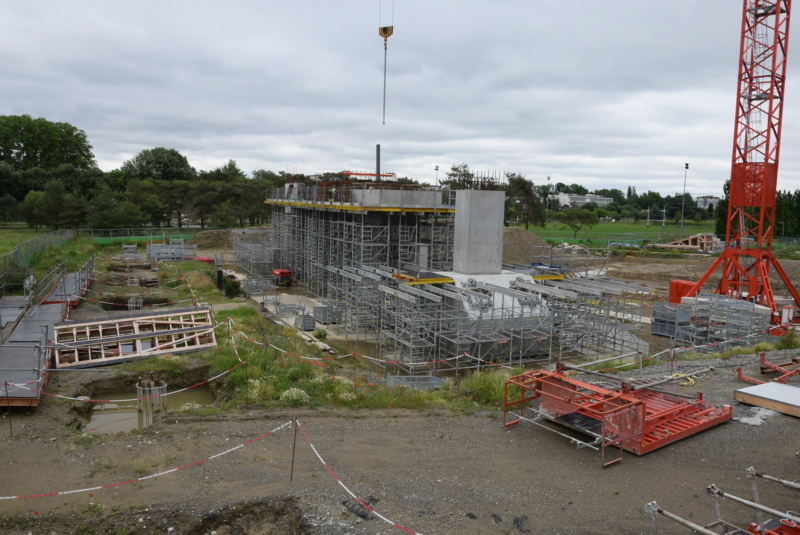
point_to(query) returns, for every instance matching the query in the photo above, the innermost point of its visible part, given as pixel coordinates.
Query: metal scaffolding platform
(705, 321)
(381, 255)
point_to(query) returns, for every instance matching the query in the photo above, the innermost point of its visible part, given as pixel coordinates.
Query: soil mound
(518, 245)
(213, 239)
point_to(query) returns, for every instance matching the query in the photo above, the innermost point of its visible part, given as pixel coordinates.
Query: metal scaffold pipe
(714, 491)
(653, 509)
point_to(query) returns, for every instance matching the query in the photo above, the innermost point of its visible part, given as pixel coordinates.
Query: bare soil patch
(518, 245)
(213, 239)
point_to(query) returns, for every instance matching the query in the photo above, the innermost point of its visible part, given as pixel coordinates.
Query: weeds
(86, 439)
(487, 387)
(788, 340)
(91, 509)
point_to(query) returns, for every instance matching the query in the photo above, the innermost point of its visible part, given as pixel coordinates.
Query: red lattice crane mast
(747, 258)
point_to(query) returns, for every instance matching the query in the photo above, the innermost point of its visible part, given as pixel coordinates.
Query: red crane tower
(747, 258)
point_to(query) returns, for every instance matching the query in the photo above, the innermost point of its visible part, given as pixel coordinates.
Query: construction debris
(700, 243)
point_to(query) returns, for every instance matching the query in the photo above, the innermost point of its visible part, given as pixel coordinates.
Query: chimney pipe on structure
(378, 162)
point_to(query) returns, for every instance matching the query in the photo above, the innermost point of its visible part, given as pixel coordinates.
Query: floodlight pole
(683, 199)
(547, 204)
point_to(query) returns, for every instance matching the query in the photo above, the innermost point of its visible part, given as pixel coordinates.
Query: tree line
(49, 178)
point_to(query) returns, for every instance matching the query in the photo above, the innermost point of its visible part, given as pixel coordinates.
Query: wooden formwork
(97, 343)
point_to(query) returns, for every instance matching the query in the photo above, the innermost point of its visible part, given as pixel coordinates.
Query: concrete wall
(417, 198)
(479, 232)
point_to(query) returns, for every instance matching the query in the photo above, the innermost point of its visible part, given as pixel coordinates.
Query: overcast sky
(604, 94)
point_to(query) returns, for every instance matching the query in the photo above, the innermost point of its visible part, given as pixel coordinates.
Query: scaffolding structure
(381, 256)
(569, 258)
(710, 319)
(173, 251)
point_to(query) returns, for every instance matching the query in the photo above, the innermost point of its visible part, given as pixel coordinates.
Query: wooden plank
(774, 396)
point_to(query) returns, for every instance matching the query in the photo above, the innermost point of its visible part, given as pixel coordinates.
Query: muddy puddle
(120, 412)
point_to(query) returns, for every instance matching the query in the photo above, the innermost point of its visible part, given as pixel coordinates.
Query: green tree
(459, 177)
(101, 207)
(27, 143)
(12, 182)
(274, 179)
(576, 219)
(175, 194)
(577, 189)
(614, 193)
(522, 202)
(74, 211)
(53, 203)
(8, 206)
(204, 195)
(115, 180)
(223, 216)
(32, 209)
(126, 215)
(159, 164)
(229, 172)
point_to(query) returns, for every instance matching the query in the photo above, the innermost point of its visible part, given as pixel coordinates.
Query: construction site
(413, 275)
(397, 291)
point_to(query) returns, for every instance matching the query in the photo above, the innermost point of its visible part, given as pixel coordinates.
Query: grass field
(624, 231)
(10, 238)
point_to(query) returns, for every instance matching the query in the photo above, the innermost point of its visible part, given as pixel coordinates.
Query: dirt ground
(432, 472)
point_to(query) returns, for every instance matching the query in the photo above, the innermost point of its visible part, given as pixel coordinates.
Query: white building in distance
(572, 200)
(704, 200)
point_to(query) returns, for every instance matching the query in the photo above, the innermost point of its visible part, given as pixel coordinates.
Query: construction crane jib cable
(385, 32)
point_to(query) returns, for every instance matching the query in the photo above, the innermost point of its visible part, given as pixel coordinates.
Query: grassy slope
(9, 238)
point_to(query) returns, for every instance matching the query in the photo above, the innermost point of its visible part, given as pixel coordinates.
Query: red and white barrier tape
(152, 476)
(347, 490)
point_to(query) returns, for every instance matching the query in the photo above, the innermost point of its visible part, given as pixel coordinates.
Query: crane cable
(385, 32)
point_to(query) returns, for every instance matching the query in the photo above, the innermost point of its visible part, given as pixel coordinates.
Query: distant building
(572, 200)
(704, 200)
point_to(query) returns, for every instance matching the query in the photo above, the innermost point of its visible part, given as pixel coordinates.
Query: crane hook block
(385, 32)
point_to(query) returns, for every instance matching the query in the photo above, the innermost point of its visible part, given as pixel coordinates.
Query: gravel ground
(432, 472)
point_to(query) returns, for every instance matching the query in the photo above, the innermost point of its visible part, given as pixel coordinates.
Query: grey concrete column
(479, 232)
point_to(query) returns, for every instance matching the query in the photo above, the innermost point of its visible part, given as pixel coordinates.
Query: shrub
(320, 334)
(788, 340)
(294, 397)
(231, 288)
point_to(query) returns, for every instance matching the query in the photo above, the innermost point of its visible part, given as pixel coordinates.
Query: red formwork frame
(638, 421)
